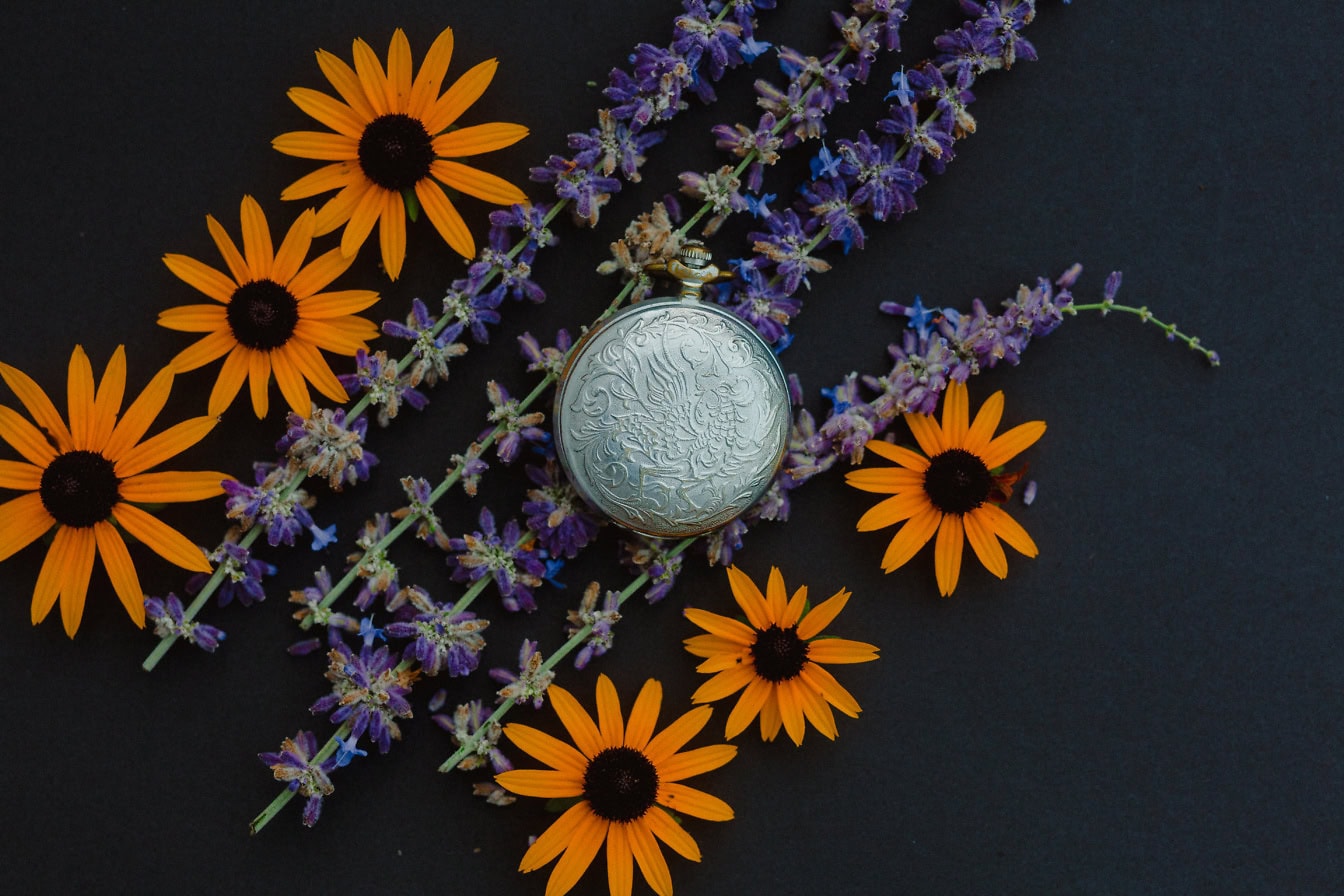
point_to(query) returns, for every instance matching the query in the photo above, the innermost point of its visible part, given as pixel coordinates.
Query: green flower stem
(283, 797)
(469, 746)
(1146, 316)
(297, 476)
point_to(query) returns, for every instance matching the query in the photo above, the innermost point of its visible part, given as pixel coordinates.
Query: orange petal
(815, 709)
(38, 405)
(79, 394)
(201, 277)
(314, 369)
(339, 303)
(51, 578)
(294, 248)
(338, 209)
(1007, 528)
(19, 475)
(25, 438)
(317, 145)
(330, 335)
(554, 839)
(169, 443)
(161, 538)
(547, 783)
(23, 520)
(477, 139)
(107, 400)
(336, 176)
(398, 72)
(696, 762)
(583, 845)
(956, 413)
(674, 736)
(986, 421)
(291, 382)
(748, 705)
(1012, 443)
(330, 111)
(725, 683)
(194, 318)
(120, 569)
(666, 829)
(465, 91)
(445, 218)
(985, 544)
(140, 416)
(346, 82)
(819, 679)
(696, 803)
(822, 615)
(259, 381)
(927, 433)
(75, 588)
(425, 89)
(644, 715)
(545, 748)
(722, 626)
(776, 596)
(650, 858)
(474, 182)
(749, 598)
(257, 247)
(317, 275)
(610, 722)
(885, 480)
(392, 233)
(947, 552)
(791, 710)
(620, 860)
(372, 78)
(362, 219)
(232, 373)
(208, 348)
(228, 250)
(912, 536)
(840, 650)
(173, 487)
(893, 510)
(577, 722)
(898, 454)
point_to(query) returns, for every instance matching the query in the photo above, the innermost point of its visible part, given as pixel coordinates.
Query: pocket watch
(672, 416)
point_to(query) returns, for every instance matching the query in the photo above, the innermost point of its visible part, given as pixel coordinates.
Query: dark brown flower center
(620, 784)
(79, 488)
(395, 151)
(957, 481)
(262, 314)
(779, 653)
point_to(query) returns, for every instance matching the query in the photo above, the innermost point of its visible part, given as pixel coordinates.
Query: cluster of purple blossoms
(516, 428)
(273, 502)
(598, 623)
(311, 612)
(371, 563)
(431, 351)
(369, 689)
(327, 444)
(168, 617)
(469, 724)
(377, 378)
(652, 557)
(296, 765)
(530, 682)
(242, 573)
(548, 360)
(427, 527)
(442, 639)
(506, 556)
(556, 515)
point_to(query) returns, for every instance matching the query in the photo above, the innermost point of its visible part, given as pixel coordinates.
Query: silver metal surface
(672, 417)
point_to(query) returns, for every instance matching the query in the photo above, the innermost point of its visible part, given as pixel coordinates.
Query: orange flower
(84, 478)
(953, 491)
(774, 660)
(627, 783)
(392, 142)
(271, 315)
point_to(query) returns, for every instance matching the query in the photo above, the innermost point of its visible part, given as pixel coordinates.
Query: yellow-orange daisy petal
(580, 726)
(331, 335)
(398, 71)
(689, 801)
(107, 400)
(38, 405)
(23, 520)
(120, 569)
(228, 250)
(643, 719)
(161, 538)
(893, 510)
(898, 454)
(154, 451)
(79, 396)
(666, 829)
(460, 96)
(927, 433)
(208, 348)
(201, 277)
(791, 710)
(986, 421)
(429, 80)
(547, 783)
(584, 843)
(650, 858)
(840, 650)
(816, 710)
(258, 250)
(173, 487)
(258, 379)
(362, 219)
(475, 182)
(392, 233)
(1010, 444)
(25, 438)
(818, 678)
(728, 681)
(477, 139)
(372, 77)
(554, 839)
(194, 318)
(317, 275)
(340, 175)
(690, 763)
(885, 480)
(747, 706)
(822, 615)
(338, 303)
(985, 544)
(674, 736)
(956, 413)
(20, 475)
(913, 535)
(610, 722)
(232, 374)
(315, 370)
(1007, 528)
(75, 581)
(51, 578)
(293, 249)
(620, 861)
(545, 748)
(776, 597)
(346, 82)
(749, 598)
(331, 112)
(445, 218)
(947, 552)
(140, 416)
(291, 382)
(713, 645)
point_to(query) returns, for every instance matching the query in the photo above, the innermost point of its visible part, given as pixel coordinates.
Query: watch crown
(694, 255)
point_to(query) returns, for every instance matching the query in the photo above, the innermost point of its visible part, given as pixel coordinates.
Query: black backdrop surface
(1151, 706)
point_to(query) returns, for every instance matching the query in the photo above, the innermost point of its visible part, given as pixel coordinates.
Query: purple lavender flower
(823, 77)
(297, 766)
(377, 377)
(556, 514)
(326, 444)
(599, 623)
(702, 39)
(371, 562)
(272, 502)
(431, 352)
(788, 245)
(979, 49)
(743, 141)
(369, 690)
(511, 562)
(514, 273)
(443, 639)
(530, 220)
(587, 190)
(515, 427)
(311, 612)
(1003, 22)
(469, 725)
(471, 468)
(652, 556)
(850, 423)
(804, 110)
(764, 304)
(168, 617)
(530, 682)
(470, 310)
(828, 201)
(720, 189)
(613, 146)
(421, 494)
(242, 573)
(722, 542)
(549, 360)
(884, 184)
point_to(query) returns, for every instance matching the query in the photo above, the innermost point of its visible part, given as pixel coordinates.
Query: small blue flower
(904, 93)
(825, 164)
(759, 207)
(322, 537)
(369, 632)
(346, 751)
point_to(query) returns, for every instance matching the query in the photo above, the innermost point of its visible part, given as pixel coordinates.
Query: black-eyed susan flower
(392, 143)
(86, 480)
(627, 781)
(270, 314)
(775, 659)
(951, 490)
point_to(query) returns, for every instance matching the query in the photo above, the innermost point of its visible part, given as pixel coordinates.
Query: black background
(1151, 706)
